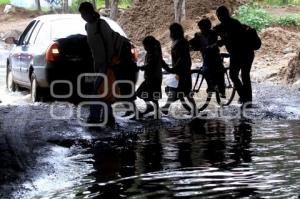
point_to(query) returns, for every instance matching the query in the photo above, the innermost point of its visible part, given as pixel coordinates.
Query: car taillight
(53, 53)
(134, 54)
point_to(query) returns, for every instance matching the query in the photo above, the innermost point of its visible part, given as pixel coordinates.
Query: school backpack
(252, 38)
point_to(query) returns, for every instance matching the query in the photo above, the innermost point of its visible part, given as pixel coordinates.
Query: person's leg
(185, 105)
(234, 76)
(132, 109)
(110, 116)
(171, 99)
(192, 108)
(220, 81)
(95, 109)
(149, 108)
(156, 109)
(208, 77)
(247, 88)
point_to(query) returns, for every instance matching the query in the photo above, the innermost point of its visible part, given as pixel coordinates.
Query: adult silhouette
(233, 36)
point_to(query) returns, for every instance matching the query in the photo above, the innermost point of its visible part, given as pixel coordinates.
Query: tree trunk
(106, 4)
(179, 10)
(114, 9)
(65, 6)
(183, 9)
(38, 5)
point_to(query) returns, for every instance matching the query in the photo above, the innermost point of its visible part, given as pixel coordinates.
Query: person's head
(176, 31)
(88, 12)
(150, 43)
(223, 14)
(204, 25)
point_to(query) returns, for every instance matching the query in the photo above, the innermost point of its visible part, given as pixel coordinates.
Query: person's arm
(183, 58)
(107, 37)
(166, 67)
(195, 43)
(218, 29)
(213, 40)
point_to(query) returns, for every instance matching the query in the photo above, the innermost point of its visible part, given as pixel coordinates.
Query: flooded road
(201, 159)
(222, 153)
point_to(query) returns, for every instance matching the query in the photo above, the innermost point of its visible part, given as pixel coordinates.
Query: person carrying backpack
(239, 42)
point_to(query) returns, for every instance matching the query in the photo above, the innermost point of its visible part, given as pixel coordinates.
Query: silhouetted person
(232, 34)
(181, 66)
(206, 42)
(150, 89)
(102, 54)
(111, 52)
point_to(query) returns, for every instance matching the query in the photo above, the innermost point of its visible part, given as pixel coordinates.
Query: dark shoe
(240, 101)
(111, 122)
(223, 95)
(165, 111)
(128, 113)
(148, 110)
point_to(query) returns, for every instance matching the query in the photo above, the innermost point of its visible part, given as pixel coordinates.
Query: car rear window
(65, 27)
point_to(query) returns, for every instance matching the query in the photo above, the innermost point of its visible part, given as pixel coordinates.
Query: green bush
(254, 16)
(289, 20)
(100, 4)
(3, 2)
(259, 18)
(282, 2)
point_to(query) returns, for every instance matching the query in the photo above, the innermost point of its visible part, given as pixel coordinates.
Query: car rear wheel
(35, 91)
(10, 84)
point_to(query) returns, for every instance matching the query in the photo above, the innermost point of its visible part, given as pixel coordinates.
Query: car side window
(26, 32)
(43, 36)
(28, 35)
(35, 32)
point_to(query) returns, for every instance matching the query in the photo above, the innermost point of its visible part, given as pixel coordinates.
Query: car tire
(10, 84)
(34, 89)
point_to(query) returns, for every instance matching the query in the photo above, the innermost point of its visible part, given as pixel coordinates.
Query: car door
(28, 52)
(15, 56)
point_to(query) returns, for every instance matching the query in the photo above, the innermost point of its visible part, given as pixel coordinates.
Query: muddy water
(201, 159)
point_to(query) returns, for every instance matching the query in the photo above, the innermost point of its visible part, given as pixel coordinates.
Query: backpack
(252, 38)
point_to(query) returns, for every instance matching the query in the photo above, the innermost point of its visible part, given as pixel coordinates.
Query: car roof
(52, 17)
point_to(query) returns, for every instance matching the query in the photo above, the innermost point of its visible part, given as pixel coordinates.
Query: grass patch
(124, 4)
(257, 17)
(254, 16)
(282, 2)
(3, 2)
(289, 20)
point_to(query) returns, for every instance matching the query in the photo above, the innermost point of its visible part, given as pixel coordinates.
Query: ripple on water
(233, 159)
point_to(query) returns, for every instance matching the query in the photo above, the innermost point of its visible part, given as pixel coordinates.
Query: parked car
(52, 47)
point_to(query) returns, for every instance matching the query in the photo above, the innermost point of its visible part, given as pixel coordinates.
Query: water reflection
(129, 170)
(202, 159)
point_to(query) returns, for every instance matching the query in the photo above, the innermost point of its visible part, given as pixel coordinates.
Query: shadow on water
(203, 159)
